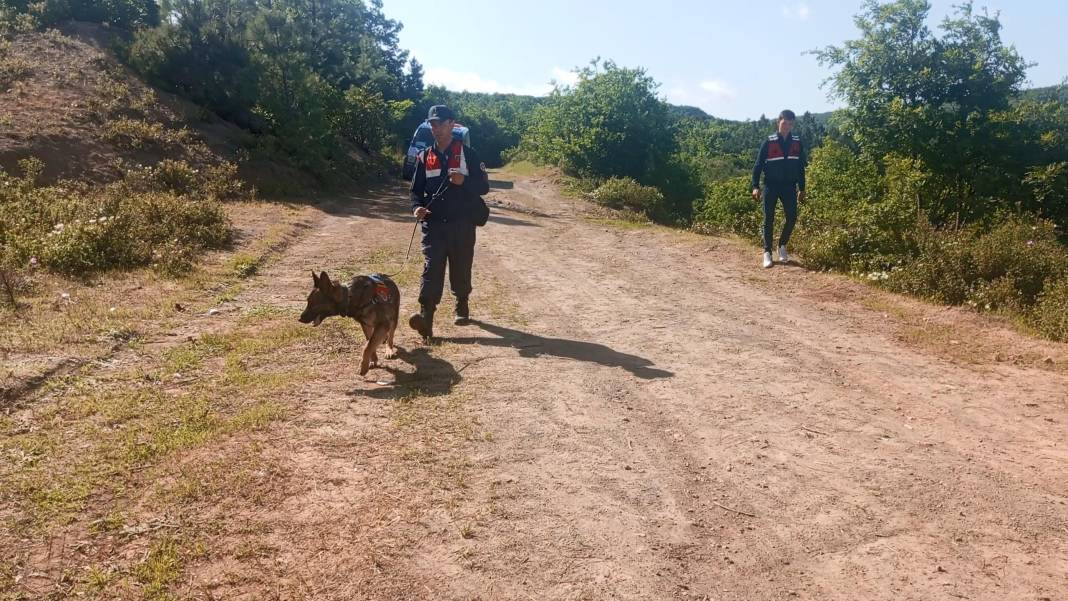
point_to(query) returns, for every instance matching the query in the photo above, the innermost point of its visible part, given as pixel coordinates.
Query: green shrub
(218, 182)
(75, 230)
(626, 194)
(1023, 254)
(1050, 315)
(221, 182)
(728, 207)
(134, 134)
(1003, 268)
(855, 219)
(12, 68)
(941, 270)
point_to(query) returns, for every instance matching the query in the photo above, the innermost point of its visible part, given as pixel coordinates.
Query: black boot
(463, 312)
(423, 322)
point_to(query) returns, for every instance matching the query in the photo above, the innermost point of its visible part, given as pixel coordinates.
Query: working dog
(372, 300)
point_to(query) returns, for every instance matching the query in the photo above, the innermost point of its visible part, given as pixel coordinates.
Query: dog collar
(344, 305)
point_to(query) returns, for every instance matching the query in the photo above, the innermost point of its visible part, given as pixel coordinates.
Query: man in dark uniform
(449, 179)
(782, 159)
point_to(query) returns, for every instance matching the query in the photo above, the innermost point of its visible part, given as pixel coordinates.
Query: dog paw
(391, 353)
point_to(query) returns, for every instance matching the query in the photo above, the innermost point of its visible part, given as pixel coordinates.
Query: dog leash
(408, 255)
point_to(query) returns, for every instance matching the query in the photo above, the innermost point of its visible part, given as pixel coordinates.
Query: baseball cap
(440, 112)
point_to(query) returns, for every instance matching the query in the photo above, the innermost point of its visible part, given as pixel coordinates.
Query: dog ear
(315, 279)
(323, 282)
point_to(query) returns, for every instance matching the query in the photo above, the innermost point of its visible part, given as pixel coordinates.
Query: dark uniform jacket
(782, 161)
(452, 203)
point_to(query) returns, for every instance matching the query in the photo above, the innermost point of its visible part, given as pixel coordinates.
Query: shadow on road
(533, 346)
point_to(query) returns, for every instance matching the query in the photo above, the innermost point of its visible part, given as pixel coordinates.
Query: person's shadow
(533, 346)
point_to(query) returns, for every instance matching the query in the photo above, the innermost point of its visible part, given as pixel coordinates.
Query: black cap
(440, 112)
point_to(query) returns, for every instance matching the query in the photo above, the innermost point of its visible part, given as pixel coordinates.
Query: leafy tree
(610, 124)
(941, 100)
(314, 73)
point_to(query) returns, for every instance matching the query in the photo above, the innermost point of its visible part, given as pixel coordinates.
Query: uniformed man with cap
(782, 160)
(446, 192)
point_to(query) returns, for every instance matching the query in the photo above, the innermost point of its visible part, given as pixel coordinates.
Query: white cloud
(473, 82)
(719, 89)
(564, 77)
(798, 12)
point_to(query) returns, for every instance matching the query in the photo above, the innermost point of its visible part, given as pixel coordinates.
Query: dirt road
(642, 413)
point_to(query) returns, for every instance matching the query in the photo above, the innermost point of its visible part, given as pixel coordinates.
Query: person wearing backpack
(446, 196)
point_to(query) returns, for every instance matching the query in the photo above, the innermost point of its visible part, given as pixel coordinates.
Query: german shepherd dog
(372, 300)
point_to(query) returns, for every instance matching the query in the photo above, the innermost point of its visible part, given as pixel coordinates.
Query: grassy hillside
(66, 100)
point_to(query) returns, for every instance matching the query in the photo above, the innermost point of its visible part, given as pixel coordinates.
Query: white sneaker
(767, 260)
(783, 257)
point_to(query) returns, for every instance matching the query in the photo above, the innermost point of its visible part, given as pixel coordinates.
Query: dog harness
(381, 294)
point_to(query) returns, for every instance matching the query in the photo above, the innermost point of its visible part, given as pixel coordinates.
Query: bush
(73, 230)
(1005, 268)
(728, 207)
(941, 269)
(626, 194)
(12, 68)
(1023, 254)
(855, 219)
(216, 182)
(133, 134)
(1050, 316)
(611, 124)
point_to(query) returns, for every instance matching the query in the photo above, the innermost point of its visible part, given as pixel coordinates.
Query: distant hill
(1058, 93)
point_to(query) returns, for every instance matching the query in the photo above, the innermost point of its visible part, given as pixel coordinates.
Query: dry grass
(169, 456)
(963, 336)
(521, 168)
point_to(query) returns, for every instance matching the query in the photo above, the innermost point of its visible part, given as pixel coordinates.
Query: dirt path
(664, 386)
(638, 414)
(660, 419)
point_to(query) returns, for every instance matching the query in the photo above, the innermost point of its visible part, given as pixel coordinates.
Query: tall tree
(938, 99)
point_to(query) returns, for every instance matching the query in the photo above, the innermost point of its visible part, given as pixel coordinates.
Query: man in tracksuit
(782, 159)
(449, 178)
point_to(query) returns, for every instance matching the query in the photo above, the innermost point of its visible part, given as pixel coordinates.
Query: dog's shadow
(533, 346)
(432, 376)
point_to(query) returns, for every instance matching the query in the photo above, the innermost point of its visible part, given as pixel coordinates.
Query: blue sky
(733, 59)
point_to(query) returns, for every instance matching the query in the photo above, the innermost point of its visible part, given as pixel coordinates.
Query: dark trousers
(451, 243)
(773, 193)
